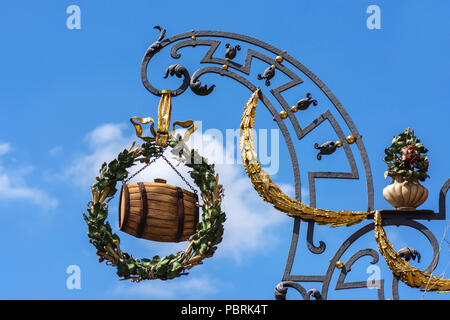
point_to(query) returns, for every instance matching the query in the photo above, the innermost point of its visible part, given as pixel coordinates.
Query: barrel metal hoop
(180, 209)
(196, 212)
(144, 210)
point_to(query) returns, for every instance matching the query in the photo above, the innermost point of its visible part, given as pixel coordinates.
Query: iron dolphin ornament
(304, 103)
(407, 253)
(230, 53)
(268, 74)
(326, 148)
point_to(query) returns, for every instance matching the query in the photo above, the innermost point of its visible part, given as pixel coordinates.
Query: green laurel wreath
(202, 244)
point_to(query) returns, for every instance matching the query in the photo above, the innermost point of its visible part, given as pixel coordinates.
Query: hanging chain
(182, 178)
(140, 170)
(161, 155)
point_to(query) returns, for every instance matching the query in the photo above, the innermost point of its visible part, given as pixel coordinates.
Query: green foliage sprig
(407, 157)
(202, 244)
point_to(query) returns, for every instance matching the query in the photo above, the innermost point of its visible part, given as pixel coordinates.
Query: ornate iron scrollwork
(156, 46)
(296, 70)
(179, 71)
(282, 288)
(198, 88)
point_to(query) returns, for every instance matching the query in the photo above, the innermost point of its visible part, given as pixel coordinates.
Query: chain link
(182, 178)
(142, 169)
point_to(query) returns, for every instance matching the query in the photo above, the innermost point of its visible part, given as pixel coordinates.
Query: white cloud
(13, 186)
(4, 148)
(105, 143)
(105, 134)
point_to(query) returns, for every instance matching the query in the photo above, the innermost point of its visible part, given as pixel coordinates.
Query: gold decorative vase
(405, 195)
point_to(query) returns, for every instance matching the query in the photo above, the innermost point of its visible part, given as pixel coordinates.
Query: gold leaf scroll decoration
(137, 121)
(161, 135)
(191, 125)
(270, 192)
(164, 115)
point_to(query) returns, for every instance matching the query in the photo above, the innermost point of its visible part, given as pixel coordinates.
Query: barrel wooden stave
(162, 220)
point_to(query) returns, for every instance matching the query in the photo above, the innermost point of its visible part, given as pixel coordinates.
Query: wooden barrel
(158, 211)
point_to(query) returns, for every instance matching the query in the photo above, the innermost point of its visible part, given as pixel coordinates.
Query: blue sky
(66, 97)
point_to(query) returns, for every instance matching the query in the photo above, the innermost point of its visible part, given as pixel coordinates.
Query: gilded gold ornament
(279, 59)
(338, 143)
(350, 139)
(294, 108)
(225, 67)
(164, 115)
(283, 114)
(339, 264)
(411, 276)
(161, 135)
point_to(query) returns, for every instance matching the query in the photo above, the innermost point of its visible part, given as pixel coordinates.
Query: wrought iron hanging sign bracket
(280, 62)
